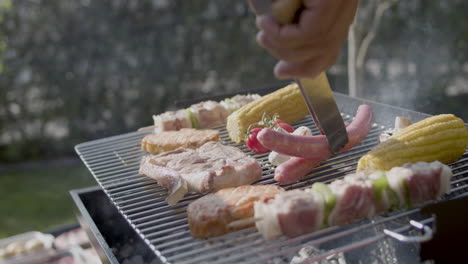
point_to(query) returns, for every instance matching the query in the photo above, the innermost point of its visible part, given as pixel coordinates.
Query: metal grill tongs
(318, 99)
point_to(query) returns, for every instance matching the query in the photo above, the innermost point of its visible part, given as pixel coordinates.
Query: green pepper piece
(381, 186)
(231, 106)
(328, 197)
(407, 194)
(193, 119)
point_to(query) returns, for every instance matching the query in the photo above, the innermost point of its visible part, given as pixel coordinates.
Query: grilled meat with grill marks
(209, 168)
(210, 215)
(169, 140)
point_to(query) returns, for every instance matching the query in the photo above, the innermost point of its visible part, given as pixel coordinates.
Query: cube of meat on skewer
(290, 213)
(207, 114)
(171, 120)
(354, 199)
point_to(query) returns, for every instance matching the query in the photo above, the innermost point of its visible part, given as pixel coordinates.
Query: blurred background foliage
(73, 71)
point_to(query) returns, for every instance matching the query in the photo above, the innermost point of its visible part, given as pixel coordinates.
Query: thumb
(282, 70)
(304, 69)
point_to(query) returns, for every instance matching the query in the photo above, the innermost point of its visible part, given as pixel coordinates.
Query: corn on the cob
(287, 102)
(441, 137)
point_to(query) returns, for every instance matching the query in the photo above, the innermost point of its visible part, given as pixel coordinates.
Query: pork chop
(209, 168)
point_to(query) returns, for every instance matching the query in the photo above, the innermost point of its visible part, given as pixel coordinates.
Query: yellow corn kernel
(441, 137)
(287, 102)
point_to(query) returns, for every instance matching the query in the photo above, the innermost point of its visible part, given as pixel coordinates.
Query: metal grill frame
(114, 163)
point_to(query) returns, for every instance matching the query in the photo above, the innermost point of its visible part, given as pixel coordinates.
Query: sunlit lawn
(38, 199)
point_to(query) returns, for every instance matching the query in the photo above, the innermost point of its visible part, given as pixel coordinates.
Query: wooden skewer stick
(147, 128)
(243, 222)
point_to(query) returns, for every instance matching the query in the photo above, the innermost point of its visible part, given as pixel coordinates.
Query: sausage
(359, 127)
(297, 167)
(294, 145)
(316, 146)
(294, 169)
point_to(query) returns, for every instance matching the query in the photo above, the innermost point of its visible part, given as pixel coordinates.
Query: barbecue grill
(114, 163)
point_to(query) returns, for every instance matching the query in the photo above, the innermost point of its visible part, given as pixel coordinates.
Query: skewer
(147, 128)
(243, 222)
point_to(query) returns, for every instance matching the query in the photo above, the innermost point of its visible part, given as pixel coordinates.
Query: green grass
(36, 200)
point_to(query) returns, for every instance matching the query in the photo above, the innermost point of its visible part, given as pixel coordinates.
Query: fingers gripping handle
(285, 11)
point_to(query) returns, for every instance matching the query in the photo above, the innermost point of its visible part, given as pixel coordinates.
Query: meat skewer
(210, 215)
(206, 114)
(355, 197)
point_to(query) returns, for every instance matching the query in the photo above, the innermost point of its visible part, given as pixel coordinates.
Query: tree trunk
(352, 62)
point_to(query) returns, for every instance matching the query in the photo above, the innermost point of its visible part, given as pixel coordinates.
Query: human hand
(311, 45)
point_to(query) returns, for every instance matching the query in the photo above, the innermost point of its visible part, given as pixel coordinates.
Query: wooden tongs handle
(285, 11)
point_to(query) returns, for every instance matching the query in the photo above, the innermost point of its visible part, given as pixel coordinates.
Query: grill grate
(114, 162)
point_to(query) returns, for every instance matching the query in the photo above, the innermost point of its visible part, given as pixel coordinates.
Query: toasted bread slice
(170, 140)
